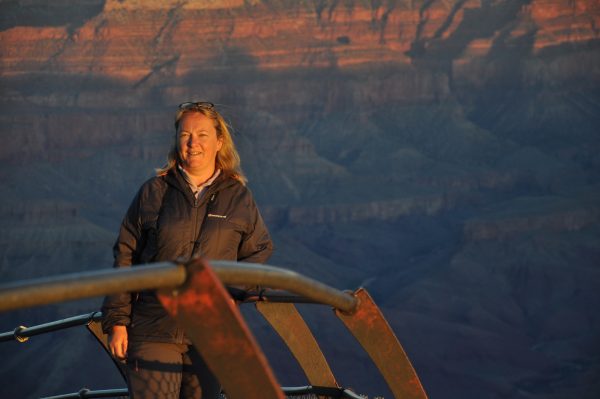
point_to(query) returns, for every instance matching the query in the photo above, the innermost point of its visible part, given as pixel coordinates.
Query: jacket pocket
(221, 238)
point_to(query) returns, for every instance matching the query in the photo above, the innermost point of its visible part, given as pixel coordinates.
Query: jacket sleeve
(256, 245)
(116, 309)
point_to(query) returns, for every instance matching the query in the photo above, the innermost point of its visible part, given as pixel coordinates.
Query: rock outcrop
(441, 153)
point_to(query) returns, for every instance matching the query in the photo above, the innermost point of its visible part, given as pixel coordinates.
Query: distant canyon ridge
(442, 153)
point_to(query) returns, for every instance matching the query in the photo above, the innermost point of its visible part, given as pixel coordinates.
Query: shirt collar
(197, 189)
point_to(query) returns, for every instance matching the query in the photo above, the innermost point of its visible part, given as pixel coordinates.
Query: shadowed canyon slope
(442, 153)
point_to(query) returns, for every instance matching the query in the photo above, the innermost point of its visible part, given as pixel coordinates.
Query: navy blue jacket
(165, 222)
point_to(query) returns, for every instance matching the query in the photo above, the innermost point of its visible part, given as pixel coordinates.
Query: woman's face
(198, 143)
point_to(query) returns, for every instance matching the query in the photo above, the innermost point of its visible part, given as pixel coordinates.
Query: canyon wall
(443, 154)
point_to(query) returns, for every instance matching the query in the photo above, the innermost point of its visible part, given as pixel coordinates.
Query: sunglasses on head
(196, 105)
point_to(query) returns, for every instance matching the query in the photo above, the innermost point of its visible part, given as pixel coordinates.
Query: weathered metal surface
(291, 327)
(89, 394)
(89, 284)
(95, 328)
(162, 275)
(372, 331)
(215, 326)
(269, 295)
(204, 308)
(15, 334)
(245, 274)
(321, 392)
(22, 333)
(289, 391)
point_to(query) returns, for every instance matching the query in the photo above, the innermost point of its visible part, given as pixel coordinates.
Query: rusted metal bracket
(243, 274)
(291, 327)
(372, 331)
(194, 295)
(203, 307)
(164, 275)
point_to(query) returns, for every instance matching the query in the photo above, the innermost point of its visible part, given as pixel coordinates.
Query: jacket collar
(200, 188)
(175, 178)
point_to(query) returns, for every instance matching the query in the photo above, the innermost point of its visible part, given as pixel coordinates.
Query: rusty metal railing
(164, 276)
(288, 391)
(85, 393)
(194, 295)
(22, 333)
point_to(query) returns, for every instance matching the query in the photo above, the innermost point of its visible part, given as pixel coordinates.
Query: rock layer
(441, 153)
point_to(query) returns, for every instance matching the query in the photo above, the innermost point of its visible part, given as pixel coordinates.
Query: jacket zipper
(198, 222)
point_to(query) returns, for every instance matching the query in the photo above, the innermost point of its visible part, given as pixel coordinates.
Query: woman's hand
(117, 342)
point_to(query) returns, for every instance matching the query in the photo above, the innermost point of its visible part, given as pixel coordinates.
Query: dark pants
(173, 371)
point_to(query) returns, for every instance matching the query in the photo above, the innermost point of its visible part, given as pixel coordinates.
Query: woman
(197, 205)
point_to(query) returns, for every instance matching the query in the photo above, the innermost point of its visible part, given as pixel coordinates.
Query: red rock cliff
(180, 38)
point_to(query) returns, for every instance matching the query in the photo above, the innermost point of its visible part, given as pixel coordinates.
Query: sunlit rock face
(136, 43)
(130, 40)
(444, 154)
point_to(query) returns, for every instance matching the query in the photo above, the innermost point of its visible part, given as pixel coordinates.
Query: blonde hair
(228, 159)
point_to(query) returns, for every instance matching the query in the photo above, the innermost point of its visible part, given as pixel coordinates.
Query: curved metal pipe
(22, 333)
(237, 273)
(290, 391)
(165, 275)
(67, 287)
